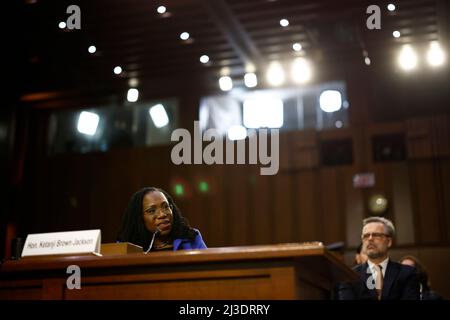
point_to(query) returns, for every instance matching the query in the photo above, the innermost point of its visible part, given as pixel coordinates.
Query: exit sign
(364, 180)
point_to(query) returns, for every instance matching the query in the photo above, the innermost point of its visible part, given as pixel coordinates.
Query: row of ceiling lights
(301, 68)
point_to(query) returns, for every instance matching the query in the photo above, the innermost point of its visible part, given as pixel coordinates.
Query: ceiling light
(301, 70)
(407, 58)
(159, 115)
(184, 36)
(275, 74)
(225, 83)
(132, 95)
(297, 46)
(263, 112)
(204, 59)
(118, 70)
(284, 22)
(250, 80)
(237, 133)
(161, 9)
(330, 100)
(87, 123)
(435, 55)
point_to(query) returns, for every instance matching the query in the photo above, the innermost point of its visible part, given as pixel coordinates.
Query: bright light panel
(159, 115)
(88, 122)
(118, 70)
(391, 7)
(301, 70)
(237, 133)
(435, 55)
(133, 95)
(250, 80)
(225, 83)
(330, 100)
(275, 74)
(263, 112)
(184, 36)
(407, 58)
(204, 59)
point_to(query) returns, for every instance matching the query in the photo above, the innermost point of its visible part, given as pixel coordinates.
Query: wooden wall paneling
(418, 138)
(437, 262)
(383, 185)
(379, 129)
(285, 151)
(40, 189)
(283, 210)
(425, 202)
(331, 210)
(304, 149)
(189, 203)
(359, 95)
(306, 196)
(70, 201)
(444, 170)
(263, 212)
(402, 204)
(362, 153)
(119, 188)
(354, 208)
(216, 215)
(238, 183)
(441, 135)
(99, 197)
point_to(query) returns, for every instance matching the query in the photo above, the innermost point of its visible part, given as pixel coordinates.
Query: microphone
(153, 239)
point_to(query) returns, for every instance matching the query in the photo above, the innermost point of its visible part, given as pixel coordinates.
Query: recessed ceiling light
(184, 36)
(118, 70)
(132, 95)
(297, 46)
(204, 59)
(391, 7)
(284, 22)
(161, 9)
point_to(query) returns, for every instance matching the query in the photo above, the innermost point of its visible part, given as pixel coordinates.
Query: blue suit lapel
(366, 293)
(392, 271)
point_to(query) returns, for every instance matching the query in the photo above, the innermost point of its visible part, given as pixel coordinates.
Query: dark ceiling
(233, 33)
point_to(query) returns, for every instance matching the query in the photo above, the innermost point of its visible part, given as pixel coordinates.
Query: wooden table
(283, 271)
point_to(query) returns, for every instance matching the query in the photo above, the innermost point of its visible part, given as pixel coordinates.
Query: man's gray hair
(388, 225)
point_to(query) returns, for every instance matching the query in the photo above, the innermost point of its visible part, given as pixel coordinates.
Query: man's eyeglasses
(165, 208)
(375, 235)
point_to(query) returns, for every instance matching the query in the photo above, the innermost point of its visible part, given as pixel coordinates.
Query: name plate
(55, 243)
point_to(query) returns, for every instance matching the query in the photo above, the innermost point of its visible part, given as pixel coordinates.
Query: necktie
(379, 281)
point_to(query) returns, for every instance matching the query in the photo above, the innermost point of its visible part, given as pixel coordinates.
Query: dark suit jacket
(400, 283)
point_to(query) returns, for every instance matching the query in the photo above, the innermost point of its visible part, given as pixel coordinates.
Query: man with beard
(380, 278)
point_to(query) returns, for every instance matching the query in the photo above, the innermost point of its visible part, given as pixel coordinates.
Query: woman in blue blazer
(153, 221)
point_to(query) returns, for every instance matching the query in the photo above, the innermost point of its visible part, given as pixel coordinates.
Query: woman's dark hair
(133, 229)
(359, 249)
(422, 273)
